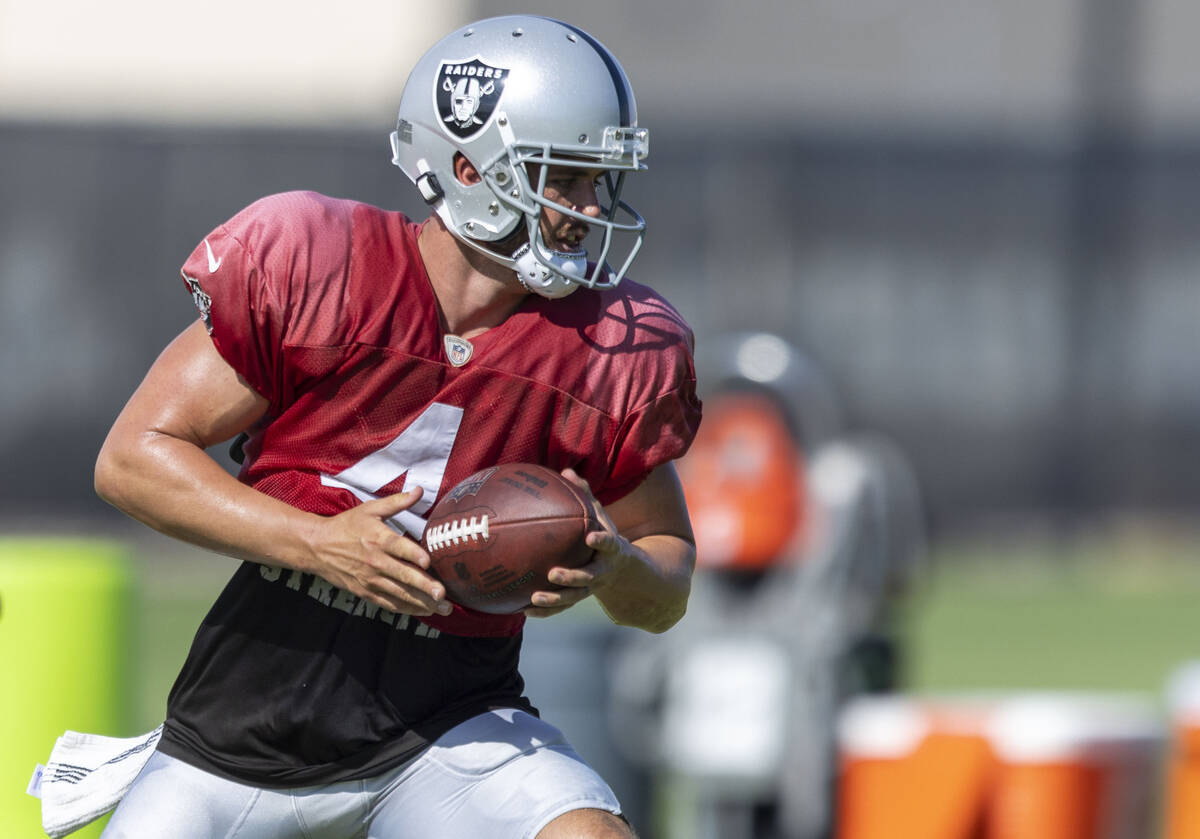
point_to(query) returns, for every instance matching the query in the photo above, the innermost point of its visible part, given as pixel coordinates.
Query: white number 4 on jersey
(420, 452)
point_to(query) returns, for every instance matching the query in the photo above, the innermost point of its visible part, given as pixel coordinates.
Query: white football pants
(501, 775)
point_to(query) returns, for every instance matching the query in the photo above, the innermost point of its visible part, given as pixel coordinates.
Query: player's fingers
(603, 521)
(405, 600)
(605, 541)
(414, 577)
(400, 546)
(574, 477)
(559, 599)
(389, 505)
(581, 577)
(403, 587)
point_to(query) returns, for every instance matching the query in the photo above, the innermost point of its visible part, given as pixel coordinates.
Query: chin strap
(556, 274)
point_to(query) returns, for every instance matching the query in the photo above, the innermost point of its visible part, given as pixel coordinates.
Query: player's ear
(465, 170)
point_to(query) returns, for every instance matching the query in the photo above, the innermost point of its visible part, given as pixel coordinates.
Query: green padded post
(65, 640)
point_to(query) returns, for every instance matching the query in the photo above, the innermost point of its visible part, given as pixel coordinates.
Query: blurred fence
(1021, 319)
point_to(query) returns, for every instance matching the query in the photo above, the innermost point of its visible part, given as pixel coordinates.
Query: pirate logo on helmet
(467, 93)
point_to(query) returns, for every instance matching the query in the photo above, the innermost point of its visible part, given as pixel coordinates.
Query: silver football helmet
(516, 95)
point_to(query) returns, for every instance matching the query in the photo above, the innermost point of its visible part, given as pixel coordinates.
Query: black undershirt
(291, 682)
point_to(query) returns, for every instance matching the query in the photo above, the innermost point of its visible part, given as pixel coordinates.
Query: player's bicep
(655, 507)
(191, 393)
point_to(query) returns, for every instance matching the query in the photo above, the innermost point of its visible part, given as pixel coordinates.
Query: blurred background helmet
(744, 483)
(767, 408)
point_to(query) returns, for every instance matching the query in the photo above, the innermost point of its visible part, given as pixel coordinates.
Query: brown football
(495, 535)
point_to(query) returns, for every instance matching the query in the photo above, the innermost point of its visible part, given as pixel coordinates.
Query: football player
(369, 363)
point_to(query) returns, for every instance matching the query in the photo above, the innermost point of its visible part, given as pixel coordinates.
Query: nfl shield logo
(458, 350)
(466, 94)
(471, 485)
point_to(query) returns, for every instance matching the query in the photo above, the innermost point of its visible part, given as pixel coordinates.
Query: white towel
(87, 775)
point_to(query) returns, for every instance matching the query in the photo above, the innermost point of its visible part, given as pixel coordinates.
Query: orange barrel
(1182, 817)
(912, 768)
(1073, 766)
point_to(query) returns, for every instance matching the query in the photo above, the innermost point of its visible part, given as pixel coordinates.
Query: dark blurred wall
(94, 224)
(938, 282)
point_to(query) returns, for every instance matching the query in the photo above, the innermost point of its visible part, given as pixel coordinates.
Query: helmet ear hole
(465, 171)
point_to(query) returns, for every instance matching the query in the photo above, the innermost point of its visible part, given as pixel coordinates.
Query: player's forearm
(174, 487)
(651, 591)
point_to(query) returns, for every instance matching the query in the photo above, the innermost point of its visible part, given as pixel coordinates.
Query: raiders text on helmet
(506, 93)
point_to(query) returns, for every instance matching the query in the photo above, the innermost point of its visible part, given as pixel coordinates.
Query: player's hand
(610, 552)
(357, 551)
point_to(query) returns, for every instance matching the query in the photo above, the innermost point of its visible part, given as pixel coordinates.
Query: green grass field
(1110, 613)
(1115, 615)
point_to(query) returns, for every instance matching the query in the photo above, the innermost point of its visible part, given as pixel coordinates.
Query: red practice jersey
(324, 307)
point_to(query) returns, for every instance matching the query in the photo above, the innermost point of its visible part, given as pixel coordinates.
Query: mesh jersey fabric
(323, 306)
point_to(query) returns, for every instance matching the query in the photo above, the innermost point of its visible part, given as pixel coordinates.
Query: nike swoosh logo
(213, 262)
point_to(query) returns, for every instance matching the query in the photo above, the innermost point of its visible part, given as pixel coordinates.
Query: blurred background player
(806, 537)
(372, 363)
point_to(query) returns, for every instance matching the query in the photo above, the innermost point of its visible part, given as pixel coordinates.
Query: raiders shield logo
(466, 95)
